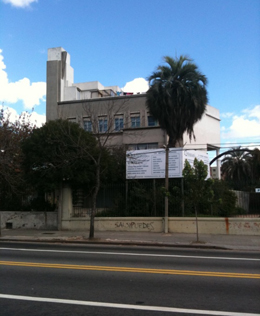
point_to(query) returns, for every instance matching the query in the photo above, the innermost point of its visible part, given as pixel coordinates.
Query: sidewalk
(233, 242)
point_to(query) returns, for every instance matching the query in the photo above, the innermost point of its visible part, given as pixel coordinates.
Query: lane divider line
(129, 254)
(124, 306)
(133, 270)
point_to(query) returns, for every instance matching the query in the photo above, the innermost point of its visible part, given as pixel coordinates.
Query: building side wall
(125, 107)
(207, 131)
(53, 89)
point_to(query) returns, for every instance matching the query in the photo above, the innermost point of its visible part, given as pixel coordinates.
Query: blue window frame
(152, 121)
(102, 125)
(135, 121)
(119, 123)
(87, 125)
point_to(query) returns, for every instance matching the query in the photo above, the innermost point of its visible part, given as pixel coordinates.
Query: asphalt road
(43, 279)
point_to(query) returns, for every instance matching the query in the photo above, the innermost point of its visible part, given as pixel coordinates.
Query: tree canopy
(56, 152)
(12, 182)
(236, 165)
(197, 188)
(241, 168)
(177, 97)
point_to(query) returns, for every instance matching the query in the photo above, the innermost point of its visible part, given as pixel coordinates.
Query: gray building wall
(110, 108)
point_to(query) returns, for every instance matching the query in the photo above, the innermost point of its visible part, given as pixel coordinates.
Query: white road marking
(124, 306)
(128, 254)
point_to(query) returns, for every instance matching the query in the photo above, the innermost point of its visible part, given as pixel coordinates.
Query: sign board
(150, 164)
(257, 190)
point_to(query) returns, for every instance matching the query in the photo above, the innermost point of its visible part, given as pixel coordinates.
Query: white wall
(207, 130)
(48, 220)
(29, 220)
(220, 225)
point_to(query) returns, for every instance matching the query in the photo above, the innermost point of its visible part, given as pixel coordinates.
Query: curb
(118, 242)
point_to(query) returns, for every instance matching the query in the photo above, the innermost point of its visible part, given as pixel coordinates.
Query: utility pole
(166, 201)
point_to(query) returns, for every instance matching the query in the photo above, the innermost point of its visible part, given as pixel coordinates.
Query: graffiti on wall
(246, 225)
(135, 225)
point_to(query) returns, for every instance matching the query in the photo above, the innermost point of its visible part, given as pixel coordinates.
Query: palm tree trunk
(171, 142)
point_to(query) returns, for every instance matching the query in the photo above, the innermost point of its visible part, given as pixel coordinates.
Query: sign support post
(166, 201)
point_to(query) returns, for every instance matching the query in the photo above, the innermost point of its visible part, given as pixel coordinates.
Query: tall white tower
(59, 75)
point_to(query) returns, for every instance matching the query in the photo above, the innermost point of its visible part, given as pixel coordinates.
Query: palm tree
(237, 165)
(177, 97)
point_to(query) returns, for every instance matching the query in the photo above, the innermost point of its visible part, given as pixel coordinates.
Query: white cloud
(20, 3)
(252, 146)
(33, 117)
(255, 112)
(136, 85)
(11, 92)
(244, 126)
(38, 119)
(226, 115)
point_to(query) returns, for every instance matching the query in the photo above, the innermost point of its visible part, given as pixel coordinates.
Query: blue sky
(118, 41)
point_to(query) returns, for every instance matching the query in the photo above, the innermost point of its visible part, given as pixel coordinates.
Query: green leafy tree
(12, 181)
(197, 188)
(177, 97)
(224, 201)
(61, 151)
(54, 153)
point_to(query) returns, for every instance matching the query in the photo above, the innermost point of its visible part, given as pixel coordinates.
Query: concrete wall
(48, 220)
(221, 225)
(29, 220)
(134, 224)
(207, 131)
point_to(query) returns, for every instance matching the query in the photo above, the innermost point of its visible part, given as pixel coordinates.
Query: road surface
(53, 279)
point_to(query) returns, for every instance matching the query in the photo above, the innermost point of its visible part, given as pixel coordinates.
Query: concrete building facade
(109, 110)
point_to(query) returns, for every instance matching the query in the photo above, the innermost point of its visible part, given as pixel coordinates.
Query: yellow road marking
(134, 270)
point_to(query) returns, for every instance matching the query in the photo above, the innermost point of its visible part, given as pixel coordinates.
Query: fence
(243, 199)
(146, 198)
(248, 201)
(132, 198)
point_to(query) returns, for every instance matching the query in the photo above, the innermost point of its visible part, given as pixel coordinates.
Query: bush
(224, 201)
(39, 204)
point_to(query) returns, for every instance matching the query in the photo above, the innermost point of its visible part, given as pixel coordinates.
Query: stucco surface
(29, 220)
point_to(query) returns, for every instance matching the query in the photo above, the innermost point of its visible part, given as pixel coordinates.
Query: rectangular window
(102, 125)
(143, 146)
(72, 119)
(152, 121)
(119, 123)
(87, 125)
(135, 121)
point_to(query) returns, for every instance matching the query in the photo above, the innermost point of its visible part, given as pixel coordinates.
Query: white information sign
(150, 164)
